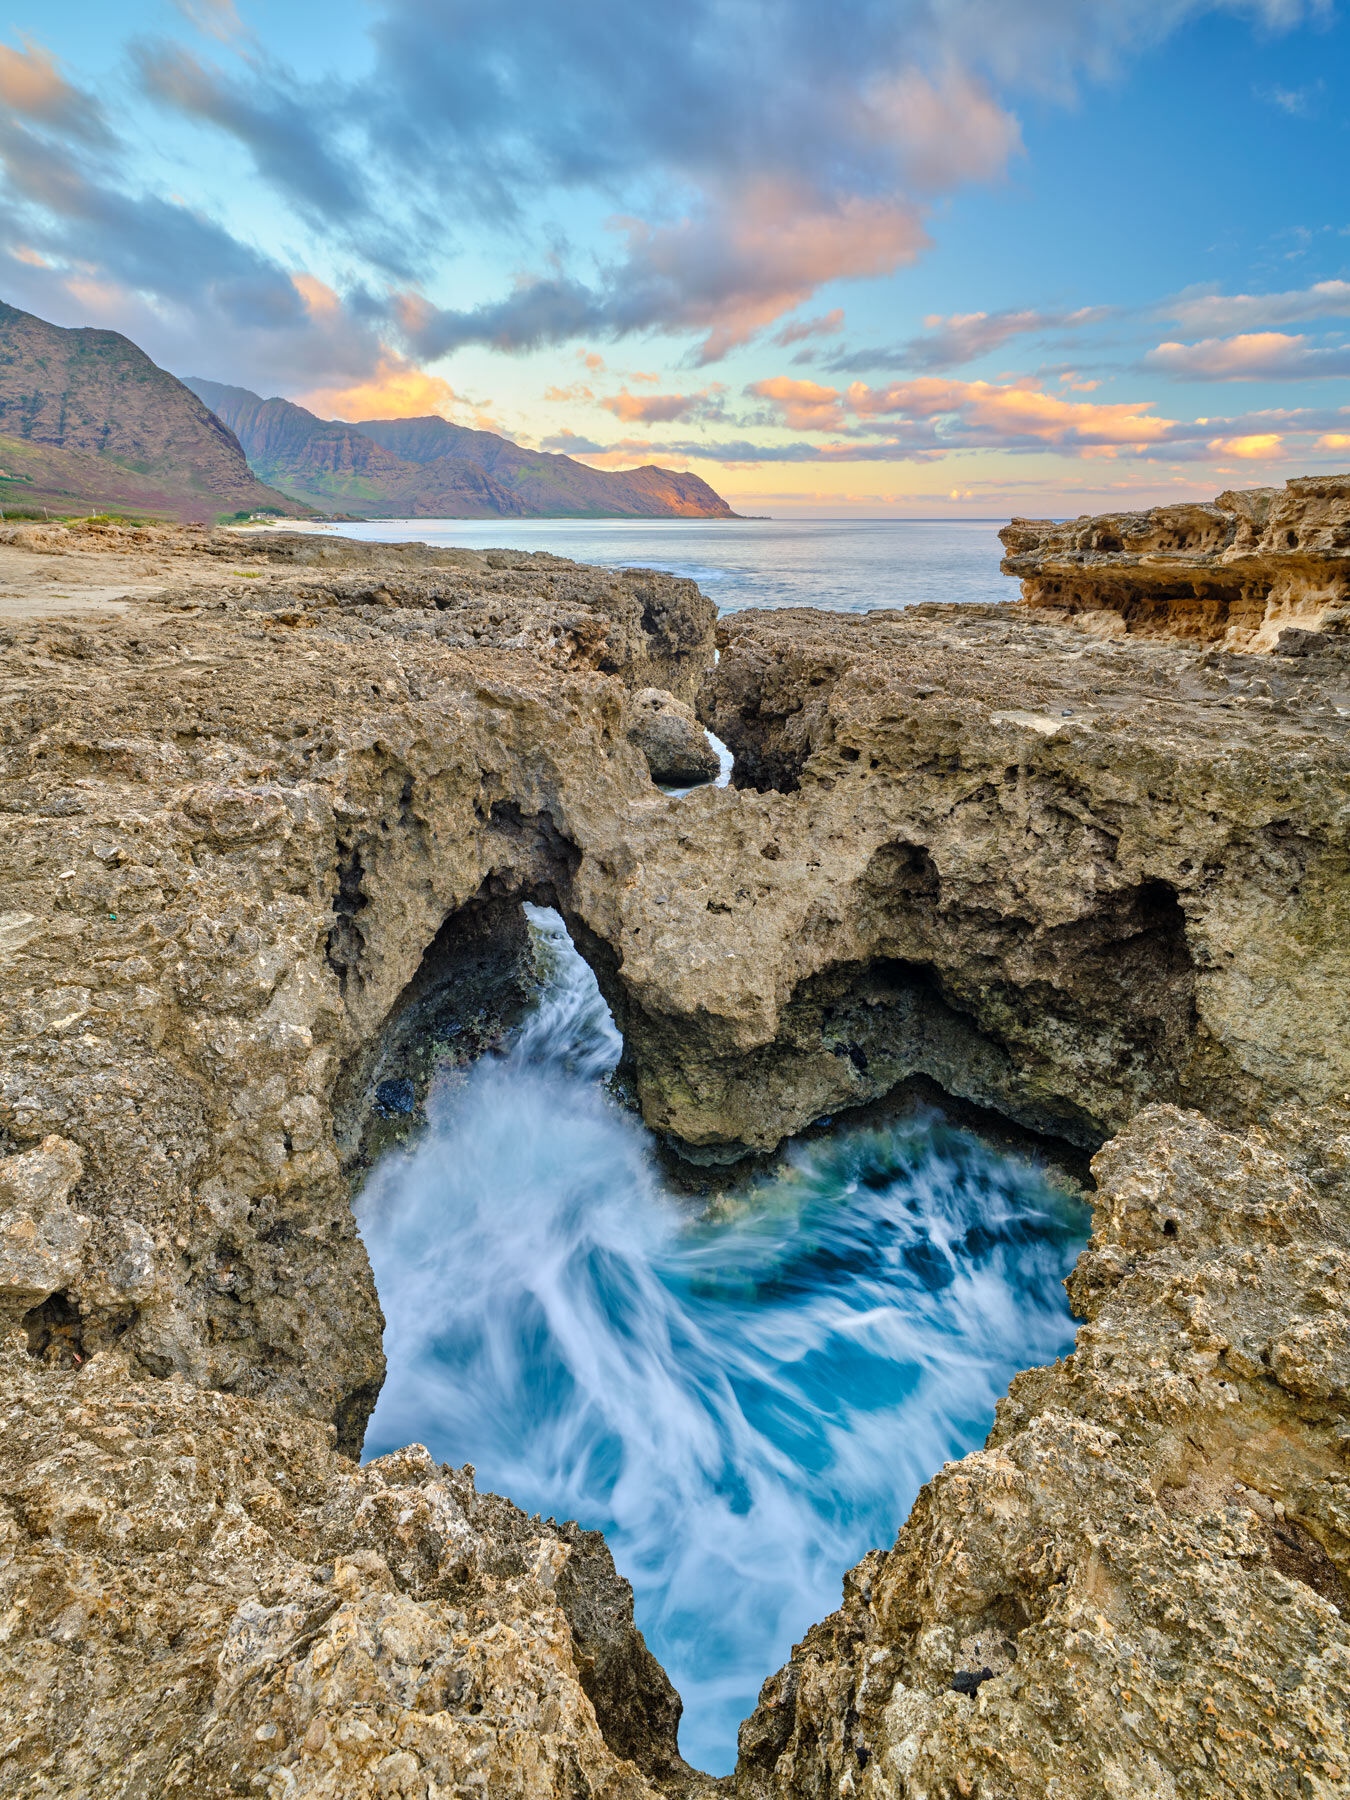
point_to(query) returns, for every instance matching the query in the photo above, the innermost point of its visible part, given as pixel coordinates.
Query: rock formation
(260, 825)
(672, 740)
(1253, 570)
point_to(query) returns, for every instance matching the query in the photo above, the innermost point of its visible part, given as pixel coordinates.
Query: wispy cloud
(959, 338)
(799, 331)
(1216, 313)
(665, 409)
(1251, 356)
(1299, 103)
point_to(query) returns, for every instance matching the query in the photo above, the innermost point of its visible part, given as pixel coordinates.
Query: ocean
(746, 1398)
(847, 565)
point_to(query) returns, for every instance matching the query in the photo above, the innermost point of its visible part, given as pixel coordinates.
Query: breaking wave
(744, 1401)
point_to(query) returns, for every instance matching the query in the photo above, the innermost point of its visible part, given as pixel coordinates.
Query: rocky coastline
(1083, 860)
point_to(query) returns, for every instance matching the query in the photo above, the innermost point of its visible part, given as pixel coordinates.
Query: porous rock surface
(1099, 885)
(1256, 569)
(672, 740)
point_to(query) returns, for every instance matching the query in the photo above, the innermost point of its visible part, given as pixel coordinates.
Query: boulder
(672, 740)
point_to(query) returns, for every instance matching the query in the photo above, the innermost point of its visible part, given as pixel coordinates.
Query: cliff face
(88, 421)
(333, 465)
(255, 824)
(1252, 570)
(546, 484)
(429, 468)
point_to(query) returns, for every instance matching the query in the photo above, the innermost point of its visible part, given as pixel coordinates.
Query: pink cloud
(828, 324)
(660, 409)
(1250, 356)
(1009, 410)
(805, 405)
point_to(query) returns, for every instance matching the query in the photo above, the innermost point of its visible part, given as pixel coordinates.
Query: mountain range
(429, 468)
(88, 422)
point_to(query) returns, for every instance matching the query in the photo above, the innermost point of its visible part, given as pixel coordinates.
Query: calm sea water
(743, 1400)
(849, 565)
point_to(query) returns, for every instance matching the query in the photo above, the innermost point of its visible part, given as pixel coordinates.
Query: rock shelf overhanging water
(1094, 879)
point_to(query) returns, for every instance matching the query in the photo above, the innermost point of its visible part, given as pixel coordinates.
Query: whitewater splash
(745, 1402)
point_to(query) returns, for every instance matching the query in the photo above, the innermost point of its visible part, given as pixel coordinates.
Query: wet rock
(672, 740)
(396, 1097)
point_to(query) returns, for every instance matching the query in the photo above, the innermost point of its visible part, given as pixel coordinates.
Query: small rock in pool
(967, 1681)
(392, 1097)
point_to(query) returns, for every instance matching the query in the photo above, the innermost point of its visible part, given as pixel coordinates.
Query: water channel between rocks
(745, 1394)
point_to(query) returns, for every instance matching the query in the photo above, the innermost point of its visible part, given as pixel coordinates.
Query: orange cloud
(1259, 447)
(805, 405)
(660, 409)
(569, 396)
(394, 391)
(30, 83)
(1333, 440)
(1016, 409)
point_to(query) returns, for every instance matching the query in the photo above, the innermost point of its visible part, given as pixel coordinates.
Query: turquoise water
(848, 565)
(744, 1401)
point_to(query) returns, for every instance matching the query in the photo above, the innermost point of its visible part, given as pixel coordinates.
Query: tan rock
(258, 834)
(41, 1238)
(1256, 570)
(672, 740)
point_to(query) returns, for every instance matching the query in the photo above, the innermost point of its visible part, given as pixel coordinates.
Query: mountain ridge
(87, 419)
(428, 467)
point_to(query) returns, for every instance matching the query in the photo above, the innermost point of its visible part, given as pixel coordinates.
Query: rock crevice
(258, 832)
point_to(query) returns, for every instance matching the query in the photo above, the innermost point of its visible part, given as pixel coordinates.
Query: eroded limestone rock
(672, 740)
(1139, 1586)
(202, 1598)
(1257, 569)
(252, 825)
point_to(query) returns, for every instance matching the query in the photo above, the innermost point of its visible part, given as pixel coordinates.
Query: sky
(917, 258)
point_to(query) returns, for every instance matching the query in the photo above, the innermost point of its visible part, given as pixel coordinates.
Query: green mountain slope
(429, 468)
(339, 468)
(88, 422)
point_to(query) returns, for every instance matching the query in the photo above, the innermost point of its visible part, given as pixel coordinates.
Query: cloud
(962, 337)
(1217, 313)
(757, 153)
(1261, 446)
(1297, 102)
(85, 242)
(1252, 356)
(663, 409)
(283, 135)
(392, 391)
(764, 149)
(569, 443)
(804, 405)
(828, 324)
(725, 271)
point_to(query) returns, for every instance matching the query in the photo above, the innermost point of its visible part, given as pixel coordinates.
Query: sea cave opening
(741, 1376)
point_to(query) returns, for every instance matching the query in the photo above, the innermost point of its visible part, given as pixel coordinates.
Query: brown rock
(672, 740)
(254, 829)
(1255, 570)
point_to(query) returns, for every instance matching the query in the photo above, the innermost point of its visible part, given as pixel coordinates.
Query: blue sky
(923, 257)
